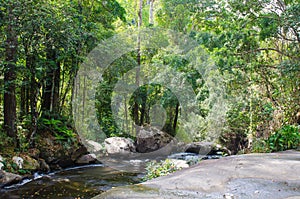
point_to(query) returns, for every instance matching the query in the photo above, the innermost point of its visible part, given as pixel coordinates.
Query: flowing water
(85, 181)
(77, 182)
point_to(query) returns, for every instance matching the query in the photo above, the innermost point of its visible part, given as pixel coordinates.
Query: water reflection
(78, 182)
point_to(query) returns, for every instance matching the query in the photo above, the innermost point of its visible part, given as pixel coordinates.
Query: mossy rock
(30, 163)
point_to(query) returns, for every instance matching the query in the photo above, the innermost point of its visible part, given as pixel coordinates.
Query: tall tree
(11, 49)
(151, 12)
(137, 76)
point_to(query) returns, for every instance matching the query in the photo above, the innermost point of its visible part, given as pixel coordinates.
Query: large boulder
(117, 145)
(259, 176)
(58, 155)
(150, 139)
(7, 178)
(201, 148)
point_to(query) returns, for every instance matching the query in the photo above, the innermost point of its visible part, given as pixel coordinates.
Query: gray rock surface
(202, 148)
(179, 163)
(93, 147)
(86, 159)
(253, 176)
(115, 145)
(7, 178)
(151, 139)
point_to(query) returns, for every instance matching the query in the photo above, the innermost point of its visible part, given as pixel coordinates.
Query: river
(77, 182)
(86, 181)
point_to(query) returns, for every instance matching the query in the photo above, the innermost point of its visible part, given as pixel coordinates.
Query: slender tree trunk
(176, 118)
(10, 76)
(147, 114)
(25, 93)
(33, 106)
(126, 113)
(151, 10)
(64, 92)
(137, 77)
(143, 108)
(50, 100)
(27, 102)
(55, 89)
(23, 98)
(84, 97)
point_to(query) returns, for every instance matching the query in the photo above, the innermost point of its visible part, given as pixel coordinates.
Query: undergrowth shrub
(287, 137)
(155, 169)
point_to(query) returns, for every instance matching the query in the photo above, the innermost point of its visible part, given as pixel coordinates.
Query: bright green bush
(288, 137)
(60, 129)
(155, 169)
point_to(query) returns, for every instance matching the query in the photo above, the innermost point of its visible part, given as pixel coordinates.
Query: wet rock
(202, 148)
(189, 158)
(55, 167)
(115, 145)
(44, 166)
(61, 180)
(65, 161)
(18, 161)
(7, 178)
(86, 159)
(218, 149)
(82, 150)
(151, 139)
(55, 153)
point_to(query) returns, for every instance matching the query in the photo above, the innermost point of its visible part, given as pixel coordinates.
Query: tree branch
(269, 49)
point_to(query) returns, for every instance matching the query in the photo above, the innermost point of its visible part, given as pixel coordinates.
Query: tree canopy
(252, 46)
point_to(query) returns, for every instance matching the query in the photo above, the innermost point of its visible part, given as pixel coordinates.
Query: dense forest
(253, 46)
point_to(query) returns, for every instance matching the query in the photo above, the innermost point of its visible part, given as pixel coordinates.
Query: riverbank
(273, 175)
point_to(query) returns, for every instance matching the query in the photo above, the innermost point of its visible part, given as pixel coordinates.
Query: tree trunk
(23, 98)
(50, 100)
(25, 93)
(143, 108)
(151, 10)
(10, 76)
(176, 118)
(33, 106)
(137, 76)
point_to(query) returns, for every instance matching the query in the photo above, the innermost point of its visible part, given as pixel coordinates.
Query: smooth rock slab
(257, 176)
